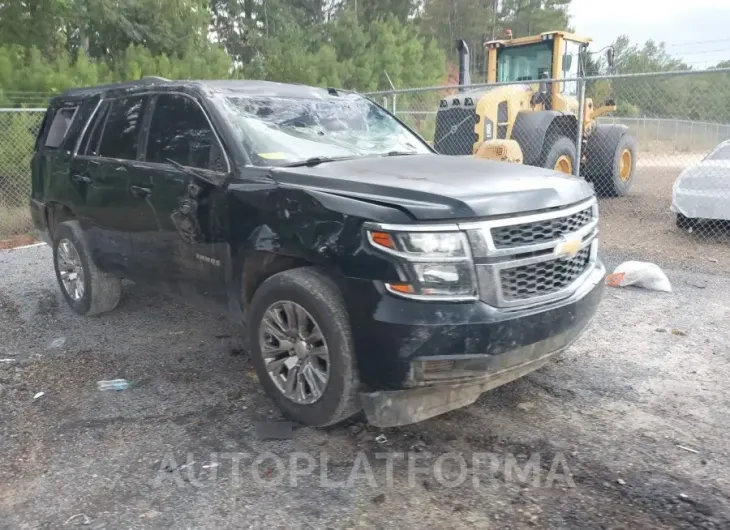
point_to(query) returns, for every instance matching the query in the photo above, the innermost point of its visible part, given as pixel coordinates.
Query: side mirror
(542, 87)
(609, 57)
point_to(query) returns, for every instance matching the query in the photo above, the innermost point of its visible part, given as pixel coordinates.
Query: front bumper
(712, 204)
(421, 359)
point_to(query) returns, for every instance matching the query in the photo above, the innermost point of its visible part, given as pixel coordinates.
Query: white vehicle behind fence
(702, 190)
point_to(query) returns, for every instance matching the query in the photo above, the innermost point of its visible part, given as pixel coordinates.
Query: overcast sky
(685, 26)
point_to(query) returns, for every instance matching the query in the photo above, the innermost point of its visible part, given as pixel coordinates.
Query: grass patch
(14, 221)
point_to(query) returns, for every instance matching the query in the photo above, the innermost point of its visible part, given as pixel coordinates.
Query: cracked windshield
(279, 130)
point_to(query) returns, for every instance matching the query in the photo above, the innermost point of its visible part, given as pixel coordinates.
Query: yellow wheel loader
(536, 123)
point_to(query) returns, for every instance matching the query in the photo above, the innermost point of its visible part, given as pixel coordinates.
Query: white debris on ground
(639, 274)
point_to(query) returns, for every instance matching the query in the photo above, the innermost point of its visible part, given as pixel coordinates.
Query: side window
(60, 126)
(90, 142)
(120, 136)
(571, 67)
(43, 130)
(180, 132)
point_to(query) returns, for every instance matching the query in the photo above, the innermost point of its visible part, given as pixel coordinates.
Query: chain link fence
(18, 130)
(669, 198)
(658, 161)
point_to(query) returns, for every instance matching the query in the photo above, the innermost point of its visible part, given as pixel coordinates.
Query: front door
(181, 170)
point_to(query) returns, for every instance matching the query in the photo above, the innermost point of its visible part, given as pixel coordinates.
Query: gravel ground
(627, 430)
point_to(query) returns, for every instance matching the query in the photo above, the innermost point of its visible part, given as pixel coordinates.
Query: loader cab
(528, 114)
(466, 120)
(550, 55)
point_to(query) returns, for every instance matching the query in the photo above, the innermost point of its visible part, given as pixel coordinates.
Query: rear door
(101, 172)
(52, 158)
(184, 163)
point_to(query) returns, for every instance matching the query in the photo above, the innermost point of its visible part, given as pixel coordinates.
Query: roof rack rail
(154, 78)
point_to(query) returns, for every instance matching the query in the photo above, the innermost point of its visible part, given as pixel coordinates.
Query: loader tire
(618, 182)
(611, 161)
(561, 156)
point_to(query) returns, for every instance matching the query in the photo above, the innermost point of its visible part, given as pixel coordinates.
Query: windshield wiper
(317, 160)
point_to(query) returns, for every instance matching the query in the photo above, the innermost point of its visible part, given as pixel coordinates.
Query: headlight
(433, 265)
(434, 244)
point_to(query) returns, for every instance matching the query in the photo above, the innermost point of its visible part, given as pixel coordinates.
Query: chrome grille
(540, 231)
(547, 277)
(535, 258)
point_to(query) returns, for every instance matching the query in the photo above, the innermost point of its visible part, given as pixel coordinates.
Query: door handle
(81, 179)
(139, 191)
(121, 169)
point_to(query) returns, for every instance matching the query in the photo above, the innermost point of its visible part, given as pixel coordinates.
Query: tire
(100, 292)
(319, 296)
(613, 181)
(561, 152)
(685, 223)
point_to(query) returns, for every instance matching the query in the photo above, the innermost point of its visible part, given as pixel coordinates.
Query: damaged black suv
(369, 272)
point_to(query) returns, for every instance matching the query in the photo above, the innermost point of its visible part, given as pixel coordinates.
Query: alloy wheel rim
(70, 269)
(624, 170)
(295, 352)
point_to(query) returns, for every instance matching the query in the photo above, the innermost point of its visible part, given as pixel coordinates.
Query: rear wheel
(561, 156)
(617, 173)
(87, 289)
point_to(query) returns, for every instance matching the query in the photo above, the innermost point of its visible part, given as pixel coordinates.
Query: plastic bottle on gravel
(114, 384)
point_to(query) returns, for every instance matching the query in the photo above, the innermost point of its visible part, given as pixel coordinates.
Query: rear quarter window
(60, 125)
(45, 125)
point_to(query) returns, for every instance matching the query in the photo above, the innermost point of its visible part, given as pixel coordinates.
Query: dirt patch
(17, 241)
(15, 221)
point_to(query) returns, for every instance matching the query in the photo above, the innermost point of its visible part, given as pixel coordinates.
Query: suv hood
(436, 187)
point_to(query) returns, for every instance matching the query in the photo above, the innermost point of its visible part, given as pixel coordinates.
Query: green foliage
(47, 46)
(344, 53)
(533, 17)
(651, 57)
(696, 97)
(15, 156)
(475, 22)
(28, 71)
(89, 42)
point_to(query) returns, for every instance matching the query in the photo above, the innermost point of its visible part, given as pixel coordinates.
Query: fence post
(579, 135)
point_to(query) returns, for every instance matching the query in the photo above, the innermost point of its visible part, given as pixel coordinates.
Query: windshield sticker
(274, 156)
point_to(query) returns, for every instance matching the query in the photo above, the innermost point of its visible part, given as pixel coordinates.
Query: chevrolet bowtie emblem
(567, 248)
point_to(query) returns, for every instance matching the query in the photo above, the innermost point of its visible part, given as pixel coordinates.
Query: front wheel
(302, 347)
(685, 223)
(561, 156)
